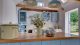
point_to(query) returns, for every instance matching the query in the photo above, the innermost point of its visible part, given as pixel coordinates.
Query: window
(71, 23)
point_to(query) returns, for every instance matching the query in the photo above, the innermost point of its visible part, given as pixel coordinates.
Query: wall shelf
(25, 7)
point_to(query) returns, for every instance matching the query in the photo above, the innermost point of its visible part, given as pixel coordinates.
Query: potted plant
(38, 22)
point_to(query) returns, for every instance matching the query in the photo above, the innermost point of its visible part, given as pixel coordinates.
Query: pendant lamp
(54, 4)
(30, 2)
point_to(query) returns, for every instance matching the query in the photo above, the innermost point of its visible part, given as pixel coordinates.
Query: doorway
(71, 23)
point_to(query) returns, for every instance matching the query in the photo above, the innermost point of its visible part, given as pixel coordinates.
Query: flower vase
(39, 32)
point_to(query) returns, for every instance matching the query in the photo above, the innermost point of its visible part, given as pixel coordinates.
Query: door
(67, 24)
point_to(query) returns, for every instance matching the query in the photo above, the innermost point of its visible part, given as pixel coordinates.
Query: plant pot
(39, 32)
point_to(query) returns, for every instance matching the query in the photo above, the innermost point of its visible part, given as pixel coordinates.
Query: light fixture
(40, 4)
(30, 2)
(64, 1)
(54, 4)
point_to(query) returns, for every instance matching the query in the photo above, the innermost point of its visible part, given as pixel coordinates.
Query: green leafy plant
(74, 17)
(38, 22)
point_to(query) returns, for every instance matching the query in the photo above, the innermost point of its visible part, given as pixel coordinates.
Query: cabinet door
(13, 31)
(25, 43)
(79, 41)
(8, 32)
(13, 43)
(5, 30)
(70, 42)
(52, 42)
(9, 43)
(35, 43)
(3, 43)
(31, 43)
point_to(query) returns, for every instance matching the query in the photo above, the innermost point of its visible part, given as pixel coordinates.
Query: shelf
(24, 7)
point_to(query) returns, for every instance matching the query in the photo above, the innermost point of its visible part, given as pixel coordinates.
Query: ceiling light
(54, 4)
(30, 2)
(63, 1)
(40, 4)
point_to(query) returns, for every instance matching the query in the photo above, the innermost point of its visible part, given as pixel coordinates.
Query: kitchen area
(31, 22)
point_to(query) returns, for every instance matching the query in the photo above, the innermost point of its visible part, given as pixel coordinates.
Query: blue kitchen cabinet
(9, 43)
(70, 42)
(35, 43)
(52, 42)
(49, 42)
(13, 43)
(25, 43)
(79, 41)
(31, 43)
(3, 43)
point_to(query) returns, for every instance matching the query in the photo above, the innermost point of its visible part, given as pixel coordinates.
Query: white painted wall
(48, 24)
(9, 12)
(18, 1)
(0, 11)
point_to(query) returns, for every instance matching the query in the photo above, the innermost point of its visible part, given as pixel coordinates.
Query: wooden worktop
(29, 38)
(35, 39)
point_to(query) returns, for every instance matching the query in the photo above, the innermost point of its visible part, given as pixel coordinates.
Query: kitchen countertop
(58, 36)
(35, 39)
